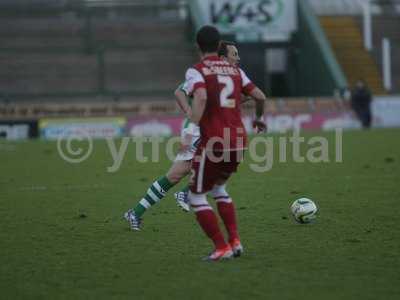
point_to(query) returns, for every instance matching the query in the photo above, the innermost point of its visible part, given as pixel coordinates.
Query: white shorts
(188, 154)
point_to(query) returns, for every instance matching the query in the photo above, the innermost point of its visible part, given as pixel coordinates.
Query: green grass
(62, 236)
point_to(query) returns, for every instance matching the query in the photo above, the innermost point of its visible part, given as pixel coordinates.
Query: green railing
(314, 70)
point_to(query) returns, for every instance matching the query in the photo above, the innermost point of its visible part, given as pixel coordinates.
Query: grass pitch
(62, 236)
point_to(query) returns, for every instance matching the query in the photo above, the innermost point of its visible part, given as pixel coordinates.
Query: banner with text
(18, 130)
(83, 127)
(386, 111)
(276, 122)
(154, 126)
(252, 20)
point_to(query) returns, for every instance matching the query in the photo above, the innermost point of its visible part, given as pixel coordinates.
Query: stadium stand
(336, 15)
(349, 49)
(78, 48)
(69, 58)
(36, 73)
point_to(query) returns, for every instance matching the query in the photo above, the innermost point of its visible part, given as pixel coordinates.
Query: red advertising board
(277, 122)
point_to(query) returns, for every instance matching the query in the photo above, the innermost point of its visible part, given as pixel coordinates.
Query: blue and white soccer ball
(304, 210)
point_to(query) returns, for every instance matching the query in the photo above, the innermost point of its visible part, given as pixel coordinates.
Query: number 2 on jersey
(226, 92)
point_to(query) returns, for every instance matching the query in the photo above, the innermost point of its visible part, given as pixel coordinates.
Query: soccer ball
(304, 210)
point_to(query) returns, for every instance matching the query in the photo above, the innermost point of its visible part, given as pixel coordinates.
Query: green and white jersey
(188, 128)
(185, 88)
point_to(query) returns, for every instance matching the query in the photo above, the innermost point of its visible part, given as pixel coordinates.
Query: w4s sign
(245, 12)
(262, 16)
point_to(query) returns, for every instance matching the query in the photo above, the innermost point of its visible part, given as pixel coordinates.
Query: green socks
(154, 194)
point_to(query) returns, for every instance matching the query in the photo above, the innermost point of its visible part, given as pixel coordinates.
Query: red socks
(227, 213)
(208, 221)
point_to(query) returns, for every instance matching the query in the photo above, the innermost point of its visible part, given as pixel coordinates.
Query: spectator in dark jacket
(361, 103)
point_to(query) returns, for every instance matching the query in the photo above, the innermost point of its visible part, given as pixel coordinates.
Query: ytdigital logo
(263, 151)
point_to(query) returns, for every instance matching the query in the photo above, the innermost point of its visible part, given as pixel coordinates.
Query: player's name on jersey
(220, 70)
(220, 62)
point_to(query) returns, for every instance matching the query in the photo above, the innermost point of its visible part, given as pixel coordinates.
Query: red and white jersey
(224, 84)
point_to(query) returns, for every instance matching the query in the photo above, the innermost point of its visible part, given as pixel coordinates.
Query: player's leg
(179, 170)
(157, 190)
(187, 155)
(154, 194)
(202, 180)
(227, 212)
(225, 205)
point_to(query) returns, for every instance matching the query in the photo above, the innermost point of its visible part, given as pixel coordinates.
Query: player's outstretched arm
(199, 105)
(181, 100)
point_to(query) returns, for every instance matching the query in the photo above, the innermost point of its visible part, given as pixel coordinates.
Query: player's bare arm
(245, 99)
(199, 105)
(260, 99)
(183, 104)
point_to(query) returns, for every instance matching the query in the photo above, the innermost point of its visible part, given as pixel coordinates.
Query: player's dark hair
(208, 39)
(223, 48)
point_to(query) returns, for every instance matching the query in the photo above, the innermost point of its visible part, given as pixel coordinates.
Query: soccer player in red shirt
(217, 88)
